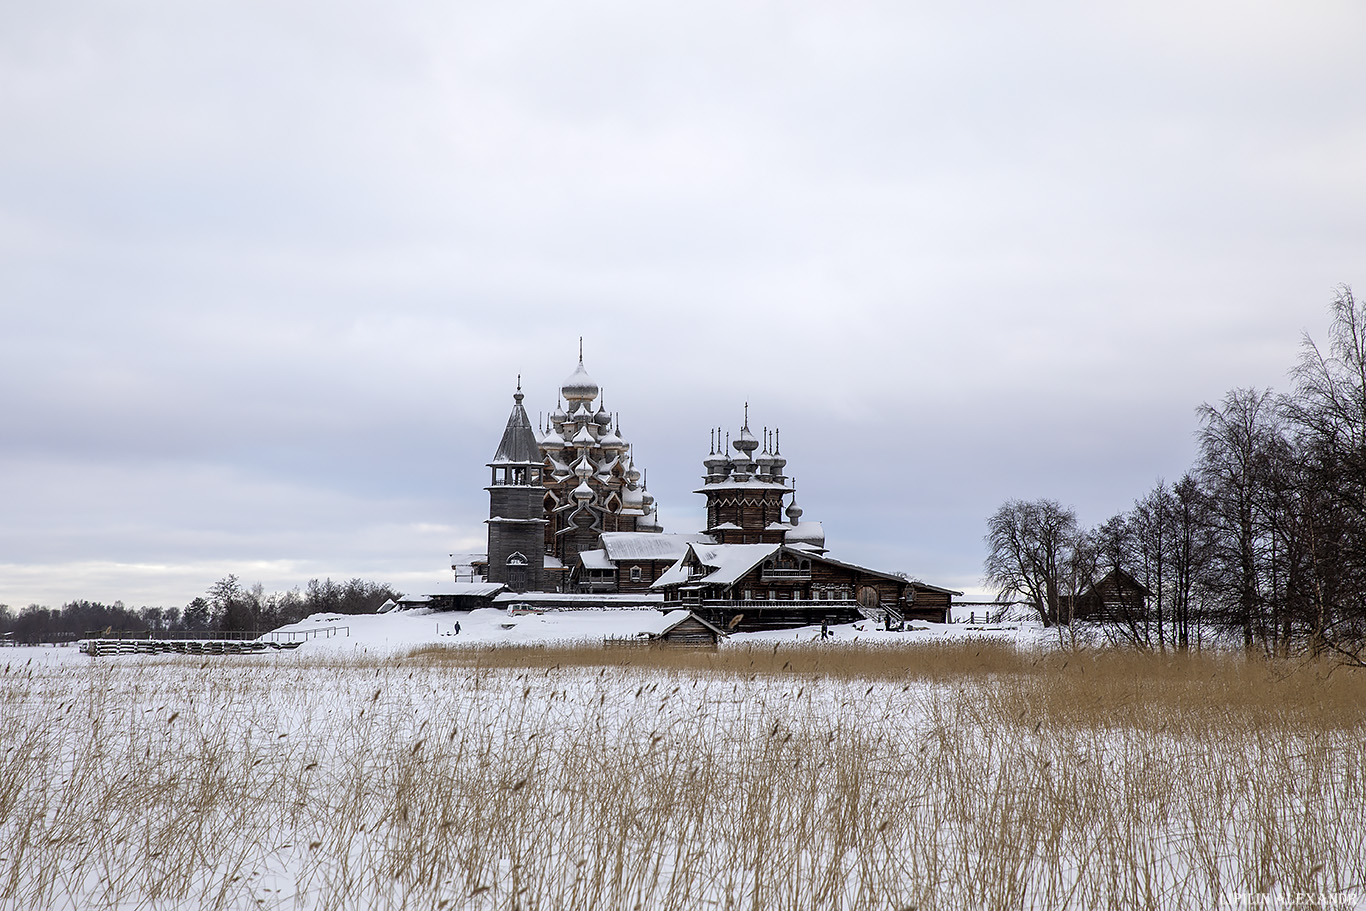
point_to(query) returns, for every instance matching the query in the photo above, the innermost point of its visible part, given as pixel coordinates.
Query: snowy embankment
(401, 630)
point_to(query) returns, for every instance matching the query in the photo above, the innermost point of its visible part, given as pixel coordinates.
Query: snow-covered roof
(585, 601)
(674, 617)
(806, 533)
(447, 589)
(595, 559)
(635, 545)
(727, 562)
(519, 444)
(746, 485)
(671, 576)
(727, 526)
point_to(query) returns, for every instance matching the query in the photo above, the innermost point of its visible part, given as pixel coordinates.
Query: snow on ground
(399, 631)
(402, 630)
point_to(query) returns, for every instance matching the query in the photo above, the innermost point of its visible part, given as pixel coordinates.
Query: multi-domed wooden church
(569, 512)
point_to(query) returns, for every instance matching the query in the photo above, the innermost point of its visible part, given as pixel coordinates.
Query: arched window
(516, 571)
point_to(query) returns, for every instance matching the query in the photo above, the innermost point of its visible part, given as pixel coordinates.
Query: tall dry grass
(951, 776)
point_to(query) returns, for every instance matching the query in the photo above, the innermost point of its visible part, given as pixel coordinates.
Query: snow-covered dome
(794, 512)
(744, 442)
(806, 533)
(580, 386)
(602, 418)
(583, 493)
(610, 440)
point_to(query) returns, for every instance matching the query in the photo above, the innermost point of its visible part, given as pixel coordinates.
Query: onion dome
(579, 387)
(602, 418)
(809, 533)
(745, 443)
(794, 513)
(716, 460)
(558, 416)
(632, 472)
(558, 470)
(610, 441)
(583, 493)
(778, 462)
(584, 466)
(765, 456)
(645, 499)
(584, 437)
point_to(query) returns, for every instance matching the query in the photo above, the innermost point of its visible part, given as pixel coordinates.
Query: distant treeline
(227, 605)
(1262, 542)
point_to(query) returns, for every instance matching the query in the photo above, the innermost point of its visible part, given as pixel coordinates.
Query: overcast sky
(269, 271)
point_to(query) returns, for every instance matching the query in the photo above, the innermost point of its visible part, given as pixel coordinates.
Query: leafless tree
(1030, 549)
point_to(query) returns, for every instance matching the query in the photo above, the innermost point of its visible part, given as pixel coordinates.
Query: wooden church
(569, 513)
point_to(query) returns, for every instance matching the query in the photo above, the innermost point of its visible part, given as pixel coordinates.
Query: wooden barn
(1116, 596)
(686, 629)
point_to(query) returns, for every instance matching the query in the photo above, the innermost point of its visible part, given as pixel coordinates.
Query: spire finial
(777, 442)
(746, 413)
(519, 382)
(711, 435)
(580, 350)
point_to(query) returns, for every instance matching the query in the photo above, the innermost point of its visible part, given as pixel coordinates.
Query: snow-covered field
(376, 634)
(402, 765)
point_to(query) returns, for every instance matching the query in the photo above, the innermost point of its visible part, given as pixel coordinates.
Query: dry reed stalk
(941, 777)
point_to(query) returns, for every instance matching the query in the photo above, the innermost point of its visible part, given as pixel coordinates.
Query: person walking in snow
(825, 630)
(457, 627)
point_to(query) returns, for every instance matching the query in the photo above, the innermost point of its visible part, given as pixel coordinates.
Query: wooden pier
(97, 647)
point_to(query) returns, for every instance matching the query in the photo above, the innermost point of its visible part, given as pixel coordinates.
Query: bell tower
(745, 492)
(516, 516)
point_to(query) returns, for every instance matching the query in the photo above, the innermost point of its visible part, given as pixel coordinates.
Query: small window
(635, 574)
(748, 595)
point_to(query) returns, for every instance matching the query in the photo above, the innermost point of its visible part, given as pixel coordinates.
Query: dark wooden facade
(1117, 596)
(516, 527)
(787, 587)
(691, 631)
